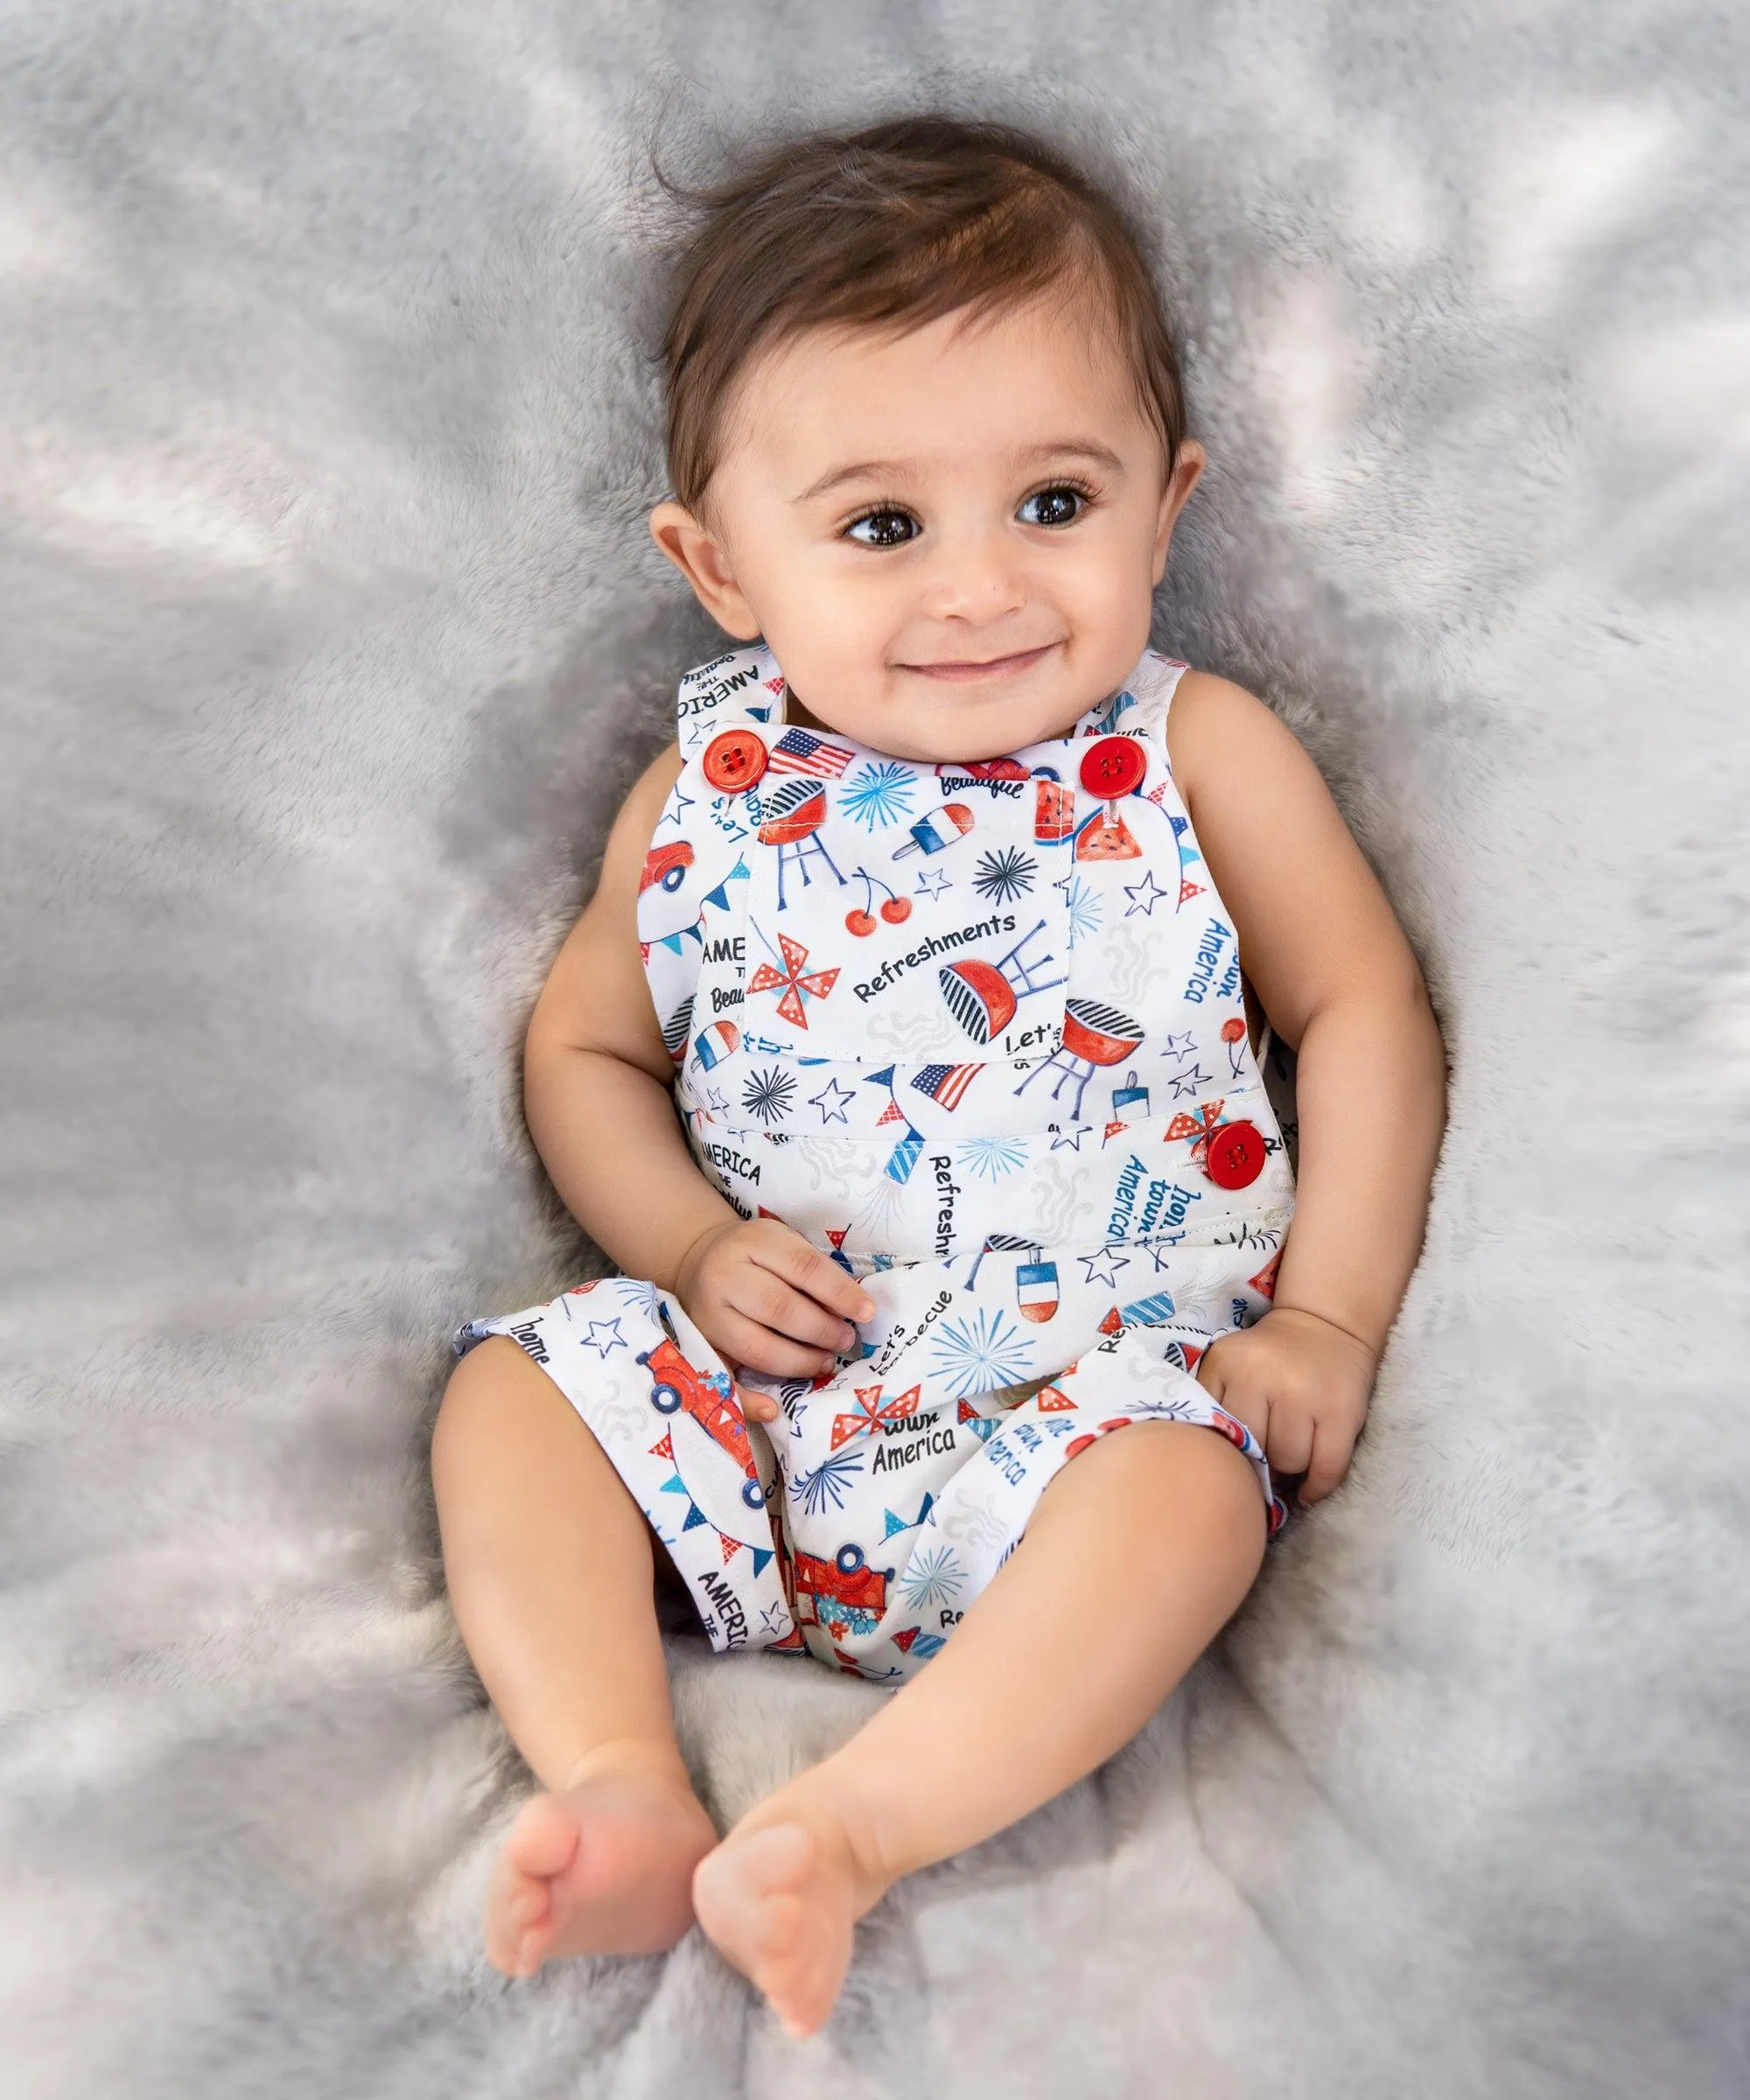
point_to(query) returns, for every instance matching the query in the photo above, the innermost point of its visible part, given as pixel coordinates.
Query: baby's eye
(1053, 507)
(884, 528)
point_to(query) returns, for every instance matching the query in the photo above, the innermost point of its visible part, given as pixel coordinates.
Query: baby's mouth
(966, 670)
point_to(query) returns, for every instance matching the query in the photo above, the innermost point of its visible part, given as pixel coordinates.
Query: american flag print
(946, 1084)
(801, 751)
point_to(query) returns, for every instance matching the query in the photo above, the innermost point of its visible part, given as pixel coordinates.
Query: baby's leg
(1138, 1552)
(550, 1566)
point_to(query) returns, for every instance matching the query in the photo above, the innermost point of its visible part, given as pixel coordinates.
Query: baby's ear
(702, 559)
(1187, 473)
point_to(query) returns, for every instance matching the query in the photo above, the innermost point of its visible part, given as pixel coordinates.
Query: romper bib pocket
(899, 916)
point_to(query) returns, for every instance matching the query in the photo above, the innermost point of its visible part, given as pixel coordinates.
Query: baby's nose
(978, 578)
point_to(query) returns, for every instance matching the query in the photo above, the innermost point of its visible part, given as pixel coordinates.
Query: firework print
(978, 1032)
(880, 793)
(1004, 875)
(767, 1094)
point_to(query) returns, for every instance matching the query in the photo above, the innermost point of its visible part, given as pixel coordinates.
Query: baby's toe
(544, 1839)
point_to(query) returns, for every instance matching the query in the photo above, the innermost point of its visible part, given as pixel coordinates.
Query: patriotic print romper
(975, 1031)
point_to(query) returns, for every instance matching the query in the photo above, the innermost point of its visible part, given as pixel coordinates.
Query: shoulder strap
(1139, 708)
(742, 685)
(1153, 684)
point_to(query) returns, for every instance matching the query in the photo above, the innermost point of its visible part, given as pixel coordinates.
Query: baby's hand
(1301, 1386)
(768, 1300)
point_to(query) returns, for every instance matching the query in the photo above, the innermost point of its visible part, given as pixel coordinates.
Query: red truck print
(665, 864)
(709, 1399)
(844, 1594)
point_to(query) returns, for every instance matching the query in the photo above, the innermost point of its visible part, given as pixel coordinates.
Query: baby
(906, 1059)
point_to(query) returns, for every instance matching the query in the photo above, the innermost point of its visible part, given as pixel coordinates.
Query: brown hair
(893, 227)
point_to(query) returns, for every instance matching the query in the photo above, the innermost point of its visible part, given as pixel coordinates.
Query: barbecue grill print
(964, 1028)
(985, 996)
(1095, 1037)
(792, 815)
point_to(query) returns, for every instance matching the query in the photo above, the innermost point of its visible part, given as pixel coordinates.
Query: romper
(977, 1031)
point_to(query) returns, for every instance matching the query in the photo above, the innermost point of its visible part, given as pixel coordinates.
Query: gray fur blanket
(331, 637)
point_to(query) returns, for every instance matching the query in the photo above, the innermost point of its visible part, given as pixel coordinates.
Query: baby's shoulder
(642, 811)
(1215, 729)
(650, 791)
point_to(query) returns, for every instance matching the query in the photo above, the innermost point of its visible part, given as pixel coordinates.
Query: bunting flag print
(719, 896)
(802, 751)
(894, 1524)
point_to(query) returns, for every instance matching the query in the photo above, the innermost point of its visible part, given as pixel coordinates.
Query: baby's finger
(1332, 1447)
(745, 1341)
(756, 1406)
(792, 1258)
(760, 1295)
(1289, 1445)
(1212, 1371)
(1248, 1404)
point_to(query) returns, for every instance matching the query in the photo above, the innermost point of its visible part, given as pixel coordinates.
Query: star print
(1147, 894)
(1064, 1141)
(772, 1619)
(715, 1103)
(1188, 1082)
(677, 802)
(832, 1101)
(1103, 1268)
(1179, 1046)
(931, 882)
(1164, 1248)
(604, 1337)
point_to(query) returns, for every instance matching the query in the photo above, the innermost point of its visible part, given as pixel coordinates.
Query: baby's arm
(1337, 978)
(596, 1087)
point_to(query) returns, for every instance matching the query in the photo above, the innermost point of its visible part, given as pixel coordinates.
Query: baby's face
(949, 538)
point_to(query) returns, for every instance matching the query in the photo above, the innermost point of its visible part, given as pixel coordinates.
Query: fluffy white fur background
(331, 638)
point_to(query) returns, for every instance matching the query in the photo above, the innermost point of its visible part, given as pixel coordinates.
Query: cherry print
(895, 909)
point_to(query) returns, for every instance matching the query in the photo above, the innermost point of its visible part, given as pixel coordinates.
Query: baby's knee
(1155, 1479)
(491, 1384)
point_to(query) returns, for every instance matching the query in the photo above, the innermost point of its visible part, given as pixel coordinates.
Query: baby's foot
(605, 1867)
(781, 1900)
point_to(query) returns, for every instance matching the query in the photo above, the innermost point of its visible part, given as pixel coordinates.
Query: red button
(1235, 1156)
(734, 760)
(1114, 765)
